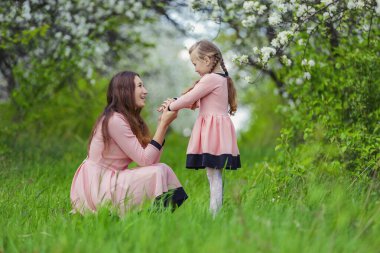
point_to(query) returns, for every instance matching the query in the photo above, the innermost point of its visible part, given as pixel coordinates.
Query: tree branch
(280, 85)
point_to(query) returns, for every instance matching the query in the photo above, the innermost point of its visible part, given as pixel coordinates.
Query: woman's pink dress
(104, 175)
(213, 141)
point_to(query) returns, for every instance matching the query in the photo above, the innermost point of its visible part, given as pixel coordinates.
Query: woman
(119, 137)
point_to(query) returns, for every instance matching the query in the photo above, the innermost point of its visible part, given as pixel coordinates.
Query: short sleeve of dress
(121, 132)
(204, 87)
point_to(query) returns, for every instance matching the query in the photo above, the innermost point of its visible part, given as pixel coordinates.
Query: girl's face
(140, 92)
(202, 66)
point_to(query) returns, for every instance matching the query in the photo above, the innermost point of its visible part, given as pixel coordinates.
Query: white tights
(216, 189)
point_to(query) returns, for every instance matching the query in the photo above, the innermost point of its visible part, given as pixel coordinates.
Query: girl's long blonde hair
(207, 48)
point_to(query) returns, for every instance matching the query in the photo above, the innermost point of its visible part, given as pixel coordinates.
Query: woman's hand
(167, 117)
(164, 120)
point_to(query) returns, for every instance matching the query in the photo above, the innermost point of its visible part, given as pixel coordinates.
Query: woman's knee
(165, 167)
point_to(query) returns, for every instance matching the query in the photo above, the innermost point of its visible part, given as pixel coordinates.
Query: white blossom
(310, 63)
(326, 2)
(89, 72)
(291, 103)
(261, 9)
(274, 19)
(267, 52)
(248, 79)
(301, 10)
(282, 8)
(306, 75)
(277, 2)
(249, 21)
(283, 37)
(256, 50)
(26, 11)
(19, 19)
(290, 6)
(311, 10)
(287, 62)
(310, 29)
(67, 51)
(366, 27)
(249, 6)
(294, 28)
(299, 81)
(66, 37)
(332, 8)
(351, 4)
(275, 43)
(355, 4)
(243, 59)
(360, 4)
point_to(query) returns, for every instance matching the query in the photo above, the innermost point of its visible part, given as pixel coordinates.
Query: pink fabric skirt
(213, 144)
(94, 185)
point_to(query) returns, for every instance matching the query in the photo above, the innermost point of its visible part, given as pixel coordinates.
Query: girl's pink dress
(104, 175)
(213, 139)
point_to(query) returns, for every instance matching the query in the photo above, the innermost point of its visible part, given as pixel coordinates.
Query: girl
(119, 137)
(212, 143)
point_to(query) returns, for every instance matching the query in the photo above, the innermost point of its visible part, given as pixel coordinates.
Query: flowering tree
(45, 45)
(268, 29)
(323, 56)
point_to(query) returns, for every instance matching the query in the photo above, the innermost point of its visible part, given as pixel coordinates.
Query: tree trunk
(6, 69)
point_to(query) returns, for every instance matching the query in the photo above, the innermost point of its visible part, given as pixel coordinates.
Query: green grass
(265, 210)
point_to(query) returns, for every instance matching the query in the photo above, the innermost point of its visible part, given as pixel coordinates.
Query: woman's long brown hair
(121, 99)
(207, 48)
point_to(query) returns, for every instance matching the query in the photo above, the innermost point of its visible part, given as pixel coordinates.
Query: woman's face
(140, 92)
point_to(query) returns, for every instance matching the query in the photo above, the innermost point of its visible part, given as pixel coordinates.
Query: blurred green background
(309, 146)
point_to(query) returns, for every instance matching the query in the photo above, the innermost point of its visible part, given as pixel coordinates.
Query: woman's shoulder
(117, 118)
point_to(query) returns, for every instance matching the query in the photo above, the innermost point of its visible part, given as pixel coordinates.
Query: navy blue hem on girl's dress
(201, 161)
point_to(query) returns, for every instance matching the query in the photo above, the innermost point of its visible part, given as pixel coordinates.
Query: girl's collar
(221, 74)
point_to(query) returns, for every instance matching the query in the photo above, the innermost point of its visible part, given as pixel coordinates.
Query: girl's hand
(165, 104)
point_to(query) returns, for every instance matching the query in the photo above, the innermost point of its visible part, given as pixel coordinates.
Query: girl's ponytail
(231, 90)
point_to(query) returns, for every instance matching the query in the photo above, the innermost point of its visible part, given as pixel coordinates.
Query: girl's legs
(216, 189)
